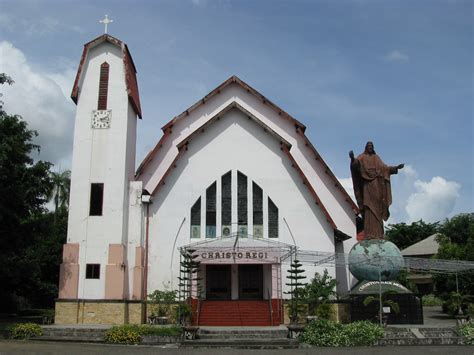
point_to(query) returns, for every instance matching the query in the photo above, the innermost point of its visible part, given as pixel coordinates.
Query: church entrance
(251, 282)
(218, 282)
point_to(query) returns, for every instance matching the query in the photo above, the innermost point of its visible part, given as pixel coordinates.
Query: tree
(319, 290)
(296, 289)
(456, 242)
(60, 191)
(403, 235)
(30, 247)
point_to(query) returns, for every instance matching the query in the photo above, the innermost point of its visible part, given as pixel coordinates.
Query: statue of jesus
(371, 180)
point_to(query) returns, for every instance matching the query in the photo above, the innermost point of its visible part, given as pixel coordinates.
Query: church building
(233, 178)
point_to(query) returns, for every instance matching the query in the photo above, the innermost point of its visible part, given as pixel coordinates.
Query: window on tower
(103, 86)
(97, 199)
(92, 271)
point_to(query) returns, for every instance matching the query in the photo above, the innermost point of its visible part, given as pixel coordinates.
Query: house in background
(425, 248)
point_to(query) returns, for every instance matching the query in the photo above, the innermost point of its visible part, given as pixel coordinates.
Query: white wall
(101, 155)
(232, 143)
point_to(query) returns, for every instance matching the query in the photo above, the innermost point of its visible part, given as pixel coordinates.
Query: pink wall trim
(71, 253)
(137, 292)
(116, 254)
(69, 272)
(115, 273)
(139, 253)
(114, 282)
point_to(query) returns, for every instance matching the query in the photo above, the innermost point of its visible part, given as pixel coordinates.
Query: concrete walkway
(32, 347)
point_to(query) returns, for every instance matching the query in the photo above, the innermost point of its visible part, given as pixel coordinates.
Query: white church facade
(234, 178)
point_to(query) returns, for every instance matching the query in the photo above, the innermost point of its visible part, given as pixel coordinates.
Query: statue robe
(371, 179)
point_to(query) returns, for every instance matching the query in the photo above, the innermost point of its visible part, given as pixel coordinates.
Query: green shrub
(132, 333)
(324, 311)
(431, 301)
(470, 310)
(467, 331)
(362, 333)
(160, 331)
(322, 332)
(26, 330)
(123, 334)
(327, 333)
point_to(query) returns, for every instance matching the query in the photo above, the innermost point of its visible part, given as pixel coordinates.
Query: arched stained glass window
(226, 204)
(211, 211)
(272, 219)
(196, 219)
(242, 201)
(257, 202)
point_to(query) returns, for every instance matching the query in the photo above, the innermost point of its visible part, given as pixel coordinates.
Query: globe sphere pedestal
(375, 259)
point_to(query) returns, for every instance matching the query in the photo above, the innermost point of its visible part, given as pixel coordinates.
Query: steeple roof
(130, 71)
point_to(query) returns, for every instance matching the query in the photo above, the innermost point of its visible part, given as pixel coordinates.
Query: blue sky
(399, 73)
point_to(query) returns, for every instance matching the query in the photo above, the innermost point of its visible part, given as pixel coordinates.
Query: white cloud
(396, 56)
(409, 171)
(42, 99)
(433, 200)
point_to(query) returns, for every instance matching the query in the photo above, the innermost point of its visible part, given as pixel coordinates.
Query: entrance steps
(242, 338)
(235, 313)
(420, 336)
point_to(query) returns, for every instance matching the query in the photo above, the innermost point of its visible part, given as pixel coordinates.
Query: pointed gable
(182, 129)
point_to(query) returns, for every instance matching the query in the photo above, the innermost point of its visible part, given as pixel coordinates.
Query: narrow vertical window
(211, 211)
(103, 86)
(96, 199)
(196, 219)
(226, 204)
(92, 271)
(257, 202)
(272, 219)
(242, 204)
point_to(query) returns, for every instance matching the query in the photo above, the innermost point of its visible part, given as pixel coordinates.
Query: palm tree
(60, 191)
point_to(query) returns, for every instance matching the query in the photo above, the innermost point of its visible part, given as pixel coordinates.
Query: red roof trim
(328, 171)
(234, 79)
(151, 153)
(306, 182)
(285, 147)
(248, 88)
(223, 112)
(168, 171)
(130, 71)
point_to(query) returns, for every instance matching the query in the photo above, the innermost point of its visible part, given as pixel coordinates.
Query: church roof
(234, 80)
(130, 71)
(300, 129)
(181, 147)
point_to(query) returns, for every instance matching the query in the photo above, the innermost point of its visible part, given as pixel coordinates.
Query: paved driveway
(31, 347)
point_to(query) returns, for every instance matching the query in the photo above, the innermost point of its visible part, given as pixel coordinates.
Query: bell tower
(95, 258)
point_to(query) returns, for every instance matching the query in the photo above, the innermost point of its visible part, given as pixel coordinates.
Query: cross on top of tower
(106, 21)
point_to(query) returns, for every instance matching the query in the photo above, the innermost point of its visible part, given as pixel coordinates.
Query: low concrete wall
(97, 312)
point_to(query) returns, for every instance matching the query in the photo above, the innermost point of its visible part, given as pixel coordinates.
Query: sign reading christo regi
(240, 256)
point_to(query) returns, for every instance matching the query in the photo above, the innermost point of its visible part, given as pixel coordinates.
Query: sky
(398, 73)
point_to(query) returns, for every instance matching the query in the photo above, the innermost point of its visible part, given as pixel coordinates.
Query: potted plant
(385, 303)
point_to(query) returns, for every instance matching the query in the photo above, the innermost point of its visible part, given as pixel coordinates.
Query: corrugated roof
(427, 246)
